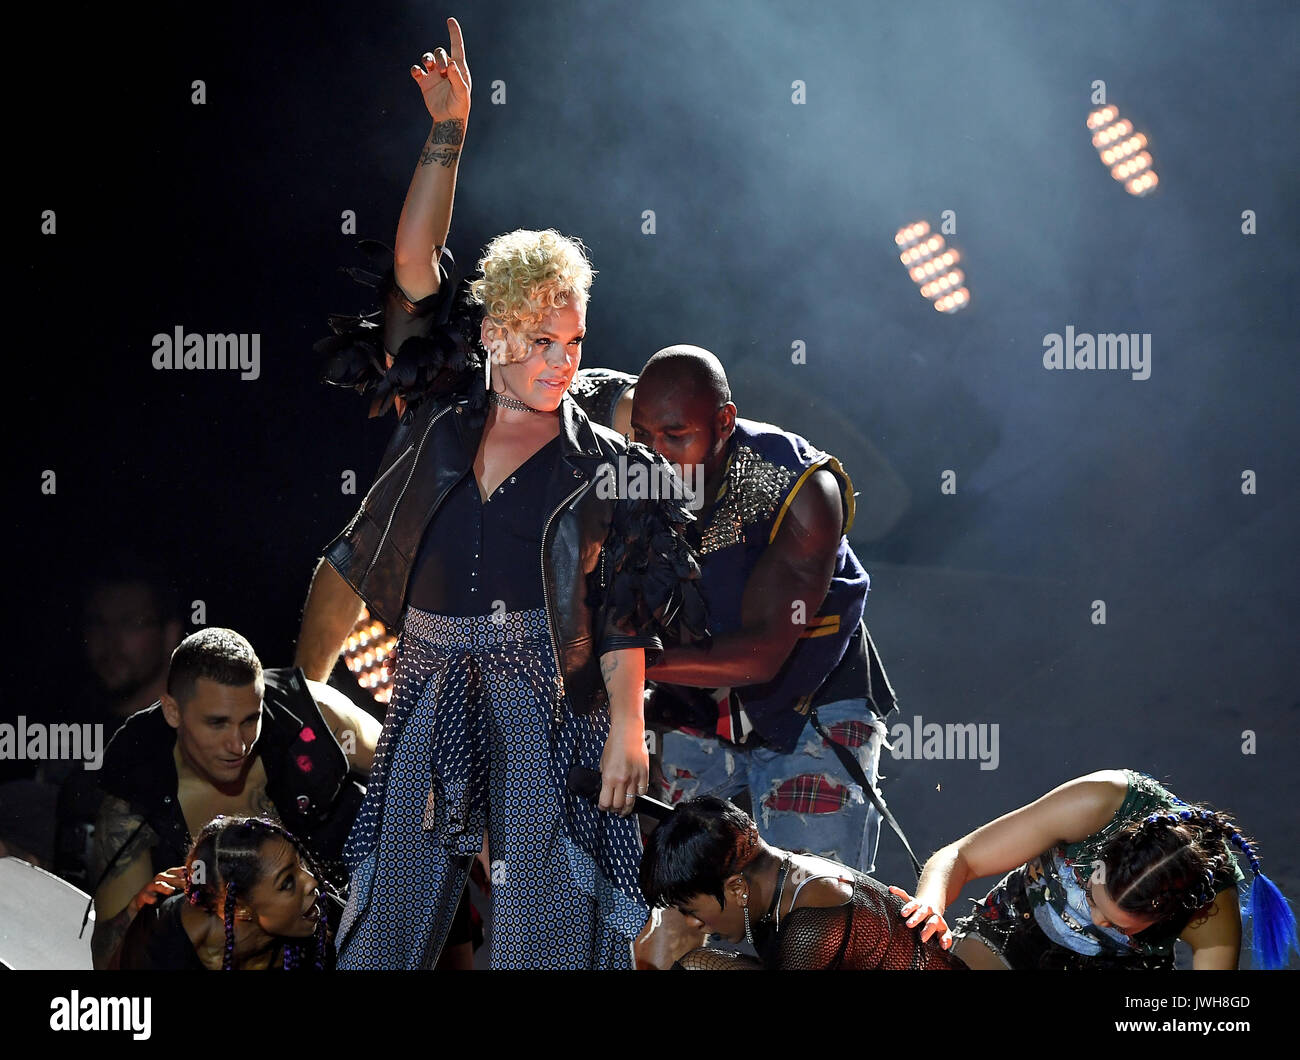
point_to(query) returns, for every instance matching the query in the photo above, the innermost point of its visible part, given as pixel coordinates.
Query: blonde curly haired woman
(509, 671)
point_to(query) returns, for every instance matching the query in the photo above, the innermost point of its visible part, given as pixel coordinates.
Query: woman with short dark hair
(797, 910)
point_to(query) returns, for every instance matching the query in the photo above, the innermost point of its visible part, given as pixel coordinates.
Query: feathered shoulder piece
(648, 575)
(433, 343)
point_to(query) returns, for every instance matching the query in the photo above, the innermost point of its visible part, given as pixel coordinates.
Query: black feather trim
(441, 358)
(647, 580)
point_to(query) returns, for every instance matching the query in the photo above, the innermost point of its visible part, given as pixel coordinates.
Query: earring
(749, 935)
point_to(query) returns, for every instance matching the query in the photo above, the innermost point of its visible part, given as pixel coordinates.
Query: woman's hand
(624, 767)
(444, 80)
(164, 885)
(917, 912)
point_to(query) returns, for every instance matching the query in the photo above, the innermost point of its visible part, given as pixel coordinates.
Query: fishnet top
(865, 933)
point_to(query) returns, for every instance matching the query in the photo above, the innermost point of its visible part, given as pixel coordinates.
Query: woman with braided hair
(1104, 872)
(252, 900)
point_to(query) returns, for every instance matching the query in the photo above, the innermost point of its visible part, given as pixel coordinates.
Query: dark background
(775, 223)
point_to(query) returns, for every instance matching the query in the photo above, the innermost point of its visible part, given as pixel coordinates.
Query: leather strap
(856, 771)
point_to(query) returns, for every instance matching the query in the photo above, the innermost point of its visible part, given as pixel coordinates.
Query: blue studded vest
(766, 467)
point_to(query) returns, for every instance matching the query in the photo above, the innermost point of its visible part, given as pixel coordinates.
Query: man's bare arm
(356, 731)
(784, 592)
(117, 827)
(332, 610)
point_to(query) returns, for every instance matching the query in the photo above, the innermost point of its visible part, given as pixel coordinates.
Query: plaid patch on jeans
(808, 793)
(850, 733)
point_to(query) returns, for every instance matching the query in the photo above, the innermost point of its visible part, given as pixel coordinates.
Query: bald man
(785, 595)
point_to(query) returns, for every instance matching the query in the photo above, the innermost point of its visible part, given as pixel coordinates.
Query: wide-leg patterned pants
(478, 737)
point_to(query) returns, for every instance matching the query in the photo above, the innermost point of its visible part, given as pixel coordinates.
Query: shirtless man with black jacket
(226, 738)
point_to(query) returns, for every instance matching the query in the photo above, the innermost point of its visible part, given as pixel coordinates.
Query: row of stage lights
(931, 262)
(1122, 150)
(367, 653)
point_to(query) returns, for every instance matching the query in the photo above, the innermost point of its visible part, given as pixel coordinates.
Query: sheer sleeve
(866, 933)
(432, 343)
(646, 584)
(815, 939)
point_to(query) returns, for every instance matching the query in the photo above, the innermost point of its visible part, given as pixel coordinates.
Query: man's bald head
(682, 408)
(690, 371)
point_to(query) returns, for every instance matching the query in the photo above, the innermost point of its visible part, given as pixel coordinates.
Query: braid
(1247, 848)
(1170, 862)
(228, 963)
(193, 892)
(1273, 929)
(320, 942)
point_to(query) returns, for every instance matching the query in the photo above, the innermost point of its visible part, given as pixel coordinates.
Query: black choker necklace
(774, 910)
(510, 403)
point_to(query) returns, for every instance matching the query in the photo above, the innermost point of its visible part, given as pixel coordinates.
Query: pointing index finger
(457, 41)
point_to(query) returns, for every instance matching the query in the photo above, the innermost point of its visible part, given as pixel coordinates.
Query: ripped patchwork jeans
(804, 800)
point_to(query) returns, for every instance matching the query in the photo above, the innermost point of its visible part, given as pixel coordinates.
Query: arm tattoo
(451, 132)
(608, 665)
(113, 831)
(107, 937)
(443, 145)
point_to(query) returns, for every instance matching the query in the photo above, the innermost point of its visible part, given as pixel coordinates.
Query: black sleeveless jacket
(306, 773)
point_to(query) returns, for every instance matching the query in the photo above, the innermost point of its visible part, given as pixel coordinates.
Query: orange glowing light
(365, 652)
(1121, 150)
(929, 264)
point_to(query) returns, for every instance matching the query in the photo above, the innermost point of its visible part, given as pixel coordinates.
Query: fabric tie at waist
(456, 663)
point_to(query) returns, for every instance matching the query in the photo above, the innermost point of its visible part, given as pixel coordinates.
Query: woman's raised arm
(426, 215)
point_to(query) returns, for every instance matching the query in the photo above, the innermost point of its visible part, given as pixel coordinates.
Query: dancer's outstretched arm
(1074, 811)
(426, 215)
